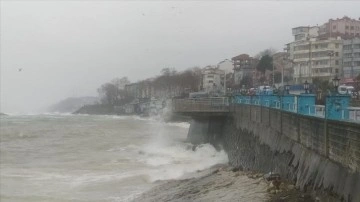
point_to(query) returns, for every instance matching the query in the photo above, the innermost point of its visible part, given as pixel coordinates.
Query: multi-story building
(312, 56)
(305, 32)
(315, 58)
(351, 58)
(212, 79)
(244, 65)
(226, 65)
(345, 27)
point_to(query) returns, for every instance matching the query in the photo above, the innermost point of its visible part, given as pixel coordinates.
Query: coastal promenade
(316, 146)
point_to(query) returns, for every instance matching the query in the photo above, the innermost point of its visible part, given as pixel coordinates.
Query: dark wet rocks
(215, 184)
(226, 183)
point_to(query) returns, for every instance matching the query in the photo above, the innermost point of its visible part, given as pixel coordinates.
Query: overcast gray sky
(70, 48)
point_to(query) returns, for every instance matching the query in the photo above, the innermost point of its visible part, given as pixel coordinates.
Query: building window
(347, 47)
(336, 45)
(346, 27)
(334, 26)
(336, 62)
(347, 55)
(352, 28)
(211, 81)
(347, 64)
(337, 54)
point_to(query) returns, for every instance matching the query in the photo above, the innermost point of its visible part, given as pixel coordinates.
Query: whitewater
(54, 157)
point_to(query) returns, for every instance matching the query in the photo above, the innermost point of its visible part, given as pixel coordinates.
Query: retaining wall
(314, 152)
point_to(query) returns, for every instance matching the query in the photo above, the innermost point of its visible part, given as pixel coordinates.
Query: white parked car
(345, 90)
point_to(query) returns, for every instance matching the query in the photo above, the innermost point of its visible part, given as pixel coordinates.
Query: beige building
(311, 56)
(345, 27)
(316, 58)
(351, 58)
(213, 79)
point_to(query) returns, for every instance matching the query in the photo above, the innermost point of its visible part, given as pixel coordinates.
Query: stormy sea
(113, 158)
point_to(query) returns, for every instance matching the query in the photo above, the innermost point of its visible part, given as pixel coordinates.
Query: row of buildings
(332, 49)
(322, 52)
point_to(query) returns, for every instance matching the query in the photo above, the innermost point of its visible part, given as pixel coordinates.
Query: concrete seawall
(305, 150)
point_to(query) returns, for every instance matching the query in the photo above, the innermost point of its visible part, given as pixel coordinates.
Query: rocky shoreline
(226, 183)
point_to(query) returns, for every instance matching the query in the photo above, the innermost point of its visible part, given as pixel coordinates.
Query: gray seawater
(93, 158)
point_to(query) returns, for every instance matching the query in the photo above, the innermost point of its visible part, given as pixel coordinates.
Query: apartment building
(244, 65)
(351, 58)
(316, 58)
(212, 79)
(305, 32)
(345, 27)
(312, 56)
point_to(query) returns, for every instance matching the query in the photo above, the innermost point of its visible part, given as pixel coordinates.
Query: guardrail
(354, 114)
(216, 104)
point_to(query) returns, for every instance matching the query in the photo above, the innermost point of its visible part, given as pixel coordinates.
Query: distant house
(212, 79)
(226, 65)
(244, 65)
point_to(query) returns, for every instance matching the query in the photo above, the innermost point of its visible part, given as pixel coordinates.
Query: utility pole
(330, 54)
(273, 75)
(225, 82)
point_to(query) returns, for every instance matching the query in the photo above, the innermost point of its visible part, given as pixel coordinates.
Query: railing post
(326, 135)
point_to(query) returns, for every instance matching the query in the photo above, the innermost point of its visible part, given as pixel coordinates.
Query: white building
(213, 79)
(226, 65)
(351, 58)
(313, 57)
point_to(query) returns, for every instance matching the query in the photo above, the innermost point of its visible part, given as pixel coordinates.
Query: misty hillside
(72, 104)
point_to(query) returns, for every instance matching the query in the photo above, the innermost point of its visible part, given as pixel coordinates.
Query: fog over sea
(93, 158)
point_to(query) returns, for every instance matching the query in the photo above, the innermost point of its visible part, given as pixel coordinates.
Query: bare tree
(120, 82)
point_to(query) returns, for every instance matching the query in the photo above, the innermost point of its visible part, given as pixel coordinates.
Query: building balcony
(323, 58)
(320, 66)
(322, 49)
(301, 51)
(301, 75)
(322, 74)
(301, 60)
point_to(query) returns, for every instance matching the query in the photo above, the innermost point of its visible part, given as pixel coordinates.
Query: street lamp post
(225, 82)
(336, 81)
(306, 87)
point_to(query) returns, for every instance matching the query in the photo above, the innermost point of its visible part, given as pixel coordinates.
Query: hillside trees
(265, 63)
(113, 93)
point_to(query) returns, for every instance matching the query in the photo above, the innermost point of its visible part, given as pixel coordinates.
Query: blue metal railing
(336, 108)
